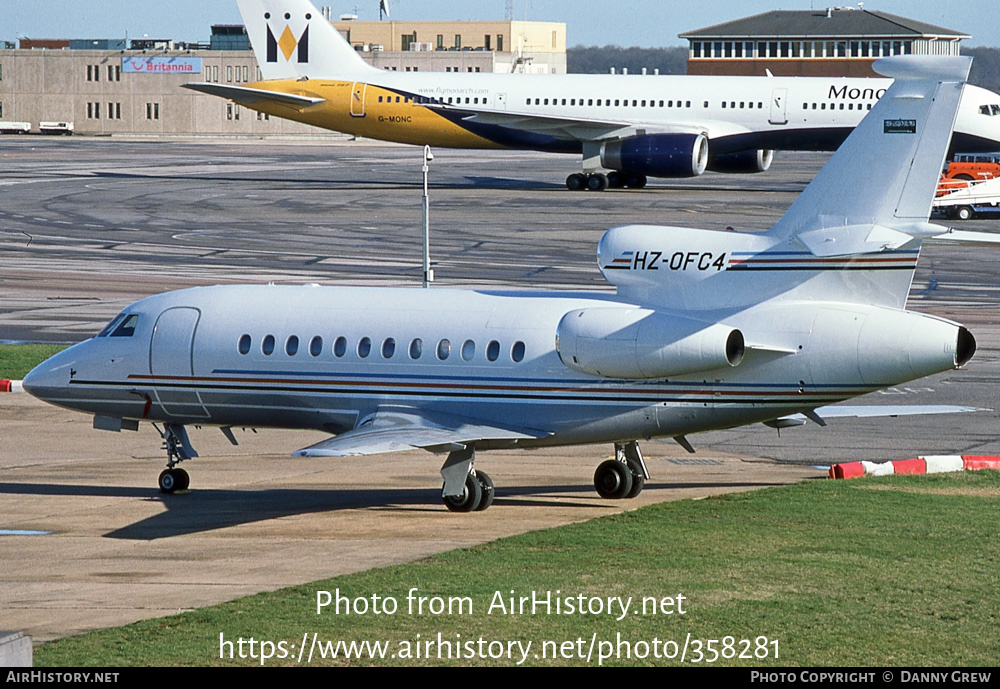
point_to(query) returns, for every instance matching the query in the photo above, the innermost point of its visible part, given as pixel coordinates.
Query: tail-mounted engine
(634, 343)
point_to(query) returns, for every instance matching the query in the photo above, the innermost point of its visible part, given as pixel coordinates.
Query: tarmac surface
(89, 225)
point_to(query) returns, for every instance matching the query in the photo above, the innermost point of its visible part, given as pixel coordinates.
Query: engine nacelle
(658, 155)
(742, 162)
(633, 343)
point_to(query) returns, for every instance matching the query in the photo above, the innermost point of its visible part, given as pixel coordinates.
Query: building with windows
(113, 90)
(841, 41)
(472, 46)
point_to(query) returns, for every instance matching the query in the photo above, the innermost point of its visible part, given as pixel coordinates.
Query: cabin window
(316, 346)
(416, 348)
(493, 350)
(292, 345)
(364, 347)
(340, 346)
(517, 352)
(267, 345)
(468, 350)
(443, 349)
(244, 345)
(388, 348)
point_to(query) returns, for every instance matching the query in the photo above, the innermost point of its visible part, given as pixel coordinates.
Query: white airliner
(625, 127)
(706, 330)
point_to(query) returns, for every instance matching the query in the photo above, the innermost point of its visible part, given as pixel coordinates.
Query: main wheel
(613, 479)
(182, 479)
(636, 181)
(638, 478)
(486, 483)
(468, 501)
(964, 213)
(597, 182)
(576, 182)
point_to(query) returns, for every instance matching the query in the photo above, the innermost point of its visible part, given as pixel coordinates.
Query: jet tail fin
(862, 203)
(292, 40)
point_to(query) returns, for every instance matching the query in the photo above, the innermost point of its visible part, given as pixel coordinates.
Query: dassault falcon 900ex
(625, 127)
(706, 330)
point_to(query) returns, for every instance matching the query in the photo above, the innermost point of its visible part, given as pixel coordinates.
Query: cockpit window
(127, 327)
(991, 109)
(122, 325)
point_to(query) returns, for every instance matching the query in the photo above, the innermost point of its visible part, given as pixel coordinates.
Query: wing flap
(394, 429)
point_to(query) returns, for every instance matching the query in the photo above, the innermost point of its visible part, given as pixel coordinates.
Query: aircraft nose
(50, 377)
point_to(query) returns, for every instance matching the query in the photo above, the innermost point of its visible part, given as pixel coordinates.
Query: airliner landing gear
(465, 489)
(178, 447)
(624, 476)
(598, 181)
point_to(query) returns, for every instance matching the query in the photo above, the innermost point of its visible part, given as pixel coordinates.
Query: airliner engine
(658, 155)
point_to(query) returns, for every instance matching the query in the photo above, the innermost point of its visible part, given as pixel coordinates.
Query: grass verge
(17, 360)
(895, 571)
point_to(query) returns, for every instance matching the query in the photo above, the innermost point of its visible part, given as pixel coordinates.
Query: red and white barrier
(10, 386)
(931, 464)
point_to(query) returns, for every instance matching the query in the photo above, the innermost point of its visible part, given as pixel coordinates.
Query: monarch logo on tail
(288, 45)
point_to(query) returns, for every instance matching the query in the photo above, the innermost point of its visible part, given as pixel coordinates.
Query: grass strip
(893, 571)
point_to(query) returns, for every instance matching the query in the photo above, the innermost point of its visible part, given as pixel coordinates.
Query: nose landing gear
(178, 447)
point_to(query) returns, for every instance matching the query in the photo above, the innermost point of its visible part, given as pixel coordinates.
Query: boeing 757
(706, 330)
(625, 127)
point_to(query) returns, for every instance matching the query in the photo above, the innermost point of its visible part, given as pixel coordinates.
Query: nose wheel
(172, 480)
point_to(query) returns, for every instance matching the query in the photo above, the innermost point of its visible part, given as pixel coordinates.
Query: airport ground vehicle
(964, 200)
(973, 166)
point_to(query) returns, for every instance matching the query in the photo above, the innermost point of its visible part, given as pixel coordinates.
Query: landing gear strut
(178, 447)
(465, 488)
(624, 476)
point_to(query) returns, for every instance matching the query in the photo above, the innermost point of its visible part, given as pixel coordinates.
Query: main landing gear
(178, 447)
(598, 181)
(465, 488)
(624, 476)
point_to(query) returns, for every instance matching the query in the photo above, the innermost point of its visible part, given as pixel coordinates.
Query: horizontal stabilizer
(251, 97)
(968, 237)
(394, 429)
(845, 240)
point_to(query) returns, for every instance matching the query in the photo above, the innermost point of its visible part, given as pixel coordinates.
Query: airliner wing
(394, 429)
(568, 128)
(250, 97)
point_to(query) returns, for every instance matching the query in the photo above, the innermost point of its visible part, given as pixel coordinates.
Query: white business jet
(707, 330)
(625, 127)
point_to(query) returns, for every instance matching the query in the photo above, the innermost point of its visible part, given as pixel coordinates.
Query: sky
(645, 23)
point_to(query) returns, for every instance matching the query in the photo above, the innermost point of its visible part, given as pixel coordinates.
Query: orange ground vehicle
(973, 166)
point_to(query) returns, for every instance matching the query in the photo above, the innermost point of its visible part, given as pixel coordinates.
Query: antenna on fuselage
(428, 273)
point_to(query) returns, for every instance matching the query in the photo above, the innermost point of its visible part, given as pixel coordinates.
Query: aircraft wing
(250, 97)
(568, 128)
(393, 429)
(870, 411)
